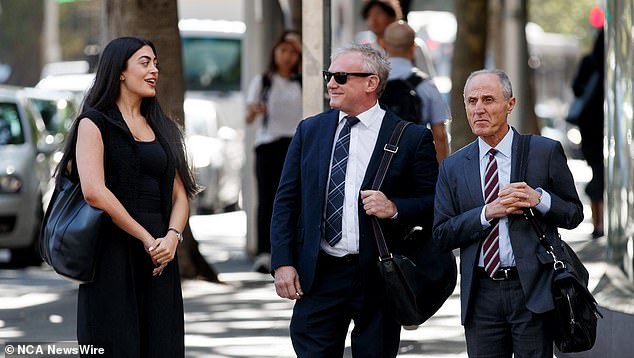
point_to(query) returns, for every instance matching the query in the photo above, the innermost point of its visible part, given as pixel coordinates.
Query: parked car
(77, 84)
(58, 110)
(24, 172)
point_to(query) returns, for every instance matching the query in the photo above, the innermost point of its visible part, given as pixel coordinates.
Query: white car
(24, 170)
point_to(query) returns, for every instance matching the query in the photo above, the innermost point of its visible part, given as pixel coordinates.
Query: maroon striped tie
(491, 246)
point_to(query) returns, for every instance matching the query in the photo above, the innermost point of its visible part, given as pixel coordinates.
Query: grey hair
(507, 88)
(374, 61)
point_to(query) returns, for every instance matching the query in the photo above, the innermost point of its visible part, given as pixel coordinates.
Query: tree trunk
(532, 125)
(468, 56)
(157, 20)
(21, 39)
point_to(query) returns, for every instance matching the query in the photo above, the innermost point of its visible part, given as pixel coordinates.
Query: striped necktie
(491, 245)
(336, 185)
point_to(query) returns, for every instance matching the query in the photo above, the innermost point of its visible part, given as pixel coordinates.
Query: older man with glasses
(323, 250)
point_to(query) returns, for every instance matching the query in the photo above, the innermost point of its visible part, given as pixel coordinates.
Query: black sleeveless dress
(126, 310)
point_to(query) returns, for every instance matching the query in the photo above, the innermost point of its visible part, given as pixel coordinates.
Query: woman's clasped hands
(162, 251)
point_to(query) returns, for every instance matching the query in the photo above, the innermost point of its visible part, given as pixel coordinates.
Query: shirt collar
(504, 147)
(369, 117)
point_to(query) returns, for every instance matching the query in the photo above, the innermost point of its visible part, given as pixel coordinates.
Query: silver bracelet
(179, 236)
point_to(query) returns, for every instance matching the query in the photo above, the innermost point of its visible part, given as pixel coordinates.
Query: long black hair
(103, 95)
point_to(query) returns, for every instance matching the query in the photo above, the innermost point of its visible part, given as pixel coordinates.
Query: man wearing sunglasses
(323, 250)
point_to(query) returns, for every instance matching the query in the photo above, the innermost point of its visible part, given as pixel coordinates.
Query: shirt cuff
(483, 219)
(395, 216)
(543, 206)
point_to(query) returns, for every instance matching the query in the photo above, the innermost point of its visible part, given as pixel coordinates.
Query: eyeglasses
(342, 77)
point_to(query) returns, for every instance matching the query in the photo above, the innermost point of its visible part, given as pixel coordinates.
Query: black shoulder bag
(69, 236)
(415, 288)
(71, 229)
(576, 313)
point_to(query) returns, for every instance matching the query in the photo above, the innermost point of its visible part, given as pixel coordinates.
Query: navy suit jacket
(297, 223)
(459, 201)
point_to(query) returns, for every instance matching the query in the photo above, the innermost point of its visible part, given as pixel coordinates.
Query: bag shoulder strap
(389, 150)
(523, 147)
(267, 81)
(416, 77)
(266, 86)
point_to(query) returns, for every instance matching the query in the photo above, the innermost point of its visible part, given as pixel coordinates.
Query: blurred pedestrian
(506, 275)
(398, 42)
(274, 100)
(378, 14)
(129, 157)
(324, 254)
(591, 122)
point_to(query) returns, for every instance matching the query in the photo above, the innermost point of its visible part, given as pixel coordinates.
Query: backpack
(401, 98)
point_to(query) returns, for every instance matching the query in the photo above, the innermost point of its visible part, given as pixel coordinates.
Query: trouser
(321, 318)
(269, 161)
(500, 325)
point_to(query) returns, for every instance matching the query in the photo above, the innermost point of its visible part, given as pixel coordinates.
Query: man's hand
(377, 204)
(287, 283)
(517, 196)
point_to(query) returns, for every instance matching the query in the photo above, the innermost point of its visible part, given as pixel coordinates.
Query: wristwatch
(541, 192)
(179, 236)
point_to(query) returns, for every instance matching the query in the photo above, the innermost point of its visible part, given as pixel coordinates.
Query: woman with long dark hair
(275, 102)
(129, 158)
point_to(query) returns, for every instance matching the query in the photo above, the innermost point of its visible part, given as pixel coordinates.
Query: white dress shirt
(503, 158)
(363, 138)
(284, 107)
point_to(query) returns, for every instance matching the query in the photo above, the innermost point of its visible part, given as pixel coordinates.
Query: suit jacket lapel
(472, 165)
(387, 127)
(327, 129)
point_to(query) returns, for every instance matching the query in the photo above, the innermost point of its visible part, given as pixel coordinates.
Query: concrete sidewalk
(245, 318)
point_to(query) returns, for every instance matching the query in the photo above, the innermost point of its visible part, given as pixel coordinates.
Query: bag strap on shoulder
(267, 81)
(389, 150)
(416, 77)
(523, 146)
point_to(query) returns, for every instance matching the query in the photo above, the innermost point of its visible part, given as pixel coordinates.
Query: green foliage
(564, 16)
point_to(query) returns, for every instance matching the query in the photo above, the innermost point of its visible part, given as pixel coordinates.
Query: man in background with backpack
(410, 92)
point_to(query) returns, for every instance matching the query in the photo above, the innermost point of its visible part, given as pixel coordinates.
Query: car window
(211, 64)
(11, 131)
(57, 114)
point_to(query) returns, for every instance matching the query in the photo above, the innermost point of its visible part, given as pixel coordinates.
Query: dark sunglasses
(342, 77)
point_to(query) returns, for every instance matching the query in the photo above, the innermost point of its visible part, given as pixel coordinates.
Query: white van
(212, 52)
